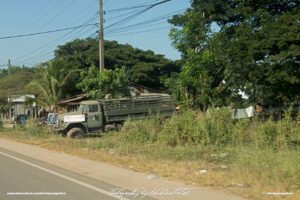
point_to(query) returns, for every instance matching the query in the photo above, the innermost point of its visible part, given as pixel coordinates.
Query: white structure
(19, 107)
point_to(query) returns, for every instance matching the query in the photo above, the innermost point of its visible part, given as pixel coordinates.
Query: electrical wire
(33, 54)
(146, 4)
(59, 13)
(34, 16)
(149, 30)
(144, 23)
(120, 31)
(45, 32)
(137, 14)
(36, 19)
(43, 42)
(32, 57)
(38, 50)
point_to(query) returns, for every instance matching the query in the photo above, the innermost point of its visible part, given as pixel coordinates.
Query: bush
(215, 130)
(142, 131)
(192, 127)
(180, 129)
(31, 129)
(218, 129)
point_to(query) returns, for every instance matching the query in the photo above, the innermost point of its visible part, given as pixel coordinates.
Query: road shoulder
(122, 178)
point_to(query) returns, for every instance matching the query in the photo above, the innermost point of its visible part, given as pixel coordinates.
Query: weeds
(263, 156)
(30, 130)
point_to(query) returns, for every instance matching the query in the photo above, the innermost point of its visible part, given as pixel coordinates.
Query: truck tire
(75, 133)
(110, 127)
(119, 127)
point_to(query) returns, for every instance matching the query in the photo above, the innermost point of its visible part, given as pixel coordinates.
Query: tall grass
(29, 130)
(216, 129)
(262, 155)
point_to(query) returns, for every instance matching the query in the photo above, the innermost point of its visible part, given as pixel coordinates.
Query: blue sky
(30, 16)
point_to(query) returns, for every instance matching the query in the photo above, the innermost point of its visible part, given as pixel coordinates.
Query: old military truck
(110, 114)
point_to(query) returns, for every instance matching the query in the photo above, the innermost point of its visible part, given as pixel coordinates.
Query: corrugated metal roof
(71, 99)
(20, 98)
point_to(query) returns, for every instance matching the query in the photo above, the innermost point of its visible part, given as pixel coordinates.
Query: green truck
(110, 114)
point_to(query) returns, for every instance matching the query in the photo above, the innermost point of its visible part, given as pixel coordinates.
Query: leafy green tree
(256, 50)
(142, 67)
(112, 82)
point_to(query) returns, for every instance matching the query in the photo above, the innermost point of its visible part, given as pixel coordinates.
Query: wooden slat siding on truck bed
(130, 104)
(117, 118)
(136, 108)
(141, 110)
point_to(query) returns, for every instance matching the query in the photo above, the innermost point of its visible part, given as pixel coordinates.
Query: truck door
(94, 119)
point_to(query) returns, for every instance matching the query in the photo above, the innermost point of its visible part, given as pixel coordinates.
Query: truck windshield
(83, 108)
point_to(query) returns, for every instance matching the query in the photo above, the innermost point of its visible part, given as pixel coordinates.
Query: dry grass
(225, 179)
(252, 168)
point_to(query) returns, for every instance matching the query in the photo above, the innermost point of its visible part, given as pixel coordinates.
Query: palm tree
(49, 83)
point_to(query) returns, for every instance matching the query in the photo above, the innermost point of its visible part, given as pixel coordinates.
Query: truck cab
(88, 118)
(93, 114)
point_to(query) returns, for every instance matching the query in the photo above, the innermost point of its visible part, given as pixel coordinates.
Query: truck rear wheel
(75, 133)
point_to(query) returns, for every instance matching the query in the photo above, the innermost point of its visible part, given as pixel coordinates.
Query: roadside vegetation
(245, 156)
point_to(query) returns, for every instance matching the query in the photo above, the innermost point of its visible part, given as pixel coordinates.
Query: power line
(114, 31)
(28, 23)
(127, 8)
(48, 39)
(45, 32)
(38, 52)
(144, 23)
(123, 14)
(35, 18)
(137, 14)
(60, 12)
(44, 42)
(146, 4)
(45, 53)
(131, 33)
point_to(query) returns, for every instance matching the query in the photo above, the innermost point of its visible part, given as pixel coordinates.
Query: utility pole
(8, 66)
(101, 37)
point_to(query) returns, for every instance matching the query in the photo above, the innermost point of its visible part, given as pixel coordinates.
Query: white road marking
(64, 177)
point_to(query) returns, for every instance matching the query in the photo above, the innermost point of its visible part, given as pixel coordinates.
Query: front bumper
(57, 130)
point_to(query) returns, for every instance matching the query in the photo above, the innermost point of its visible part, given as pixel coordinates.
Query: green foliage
(214, 129)
(13, 84)
(142, 131)
(142, 67)
(97, 85)
(256, 50)
(3, 107)
(191, 127)
(32, 130)
(49, 83)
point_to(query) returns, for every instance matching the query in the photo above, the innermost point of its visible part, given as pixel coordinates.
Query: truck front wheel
(75, 133)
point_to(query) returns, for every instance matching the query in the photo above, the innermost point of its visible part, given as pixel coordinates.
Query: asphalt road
(24, 178)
